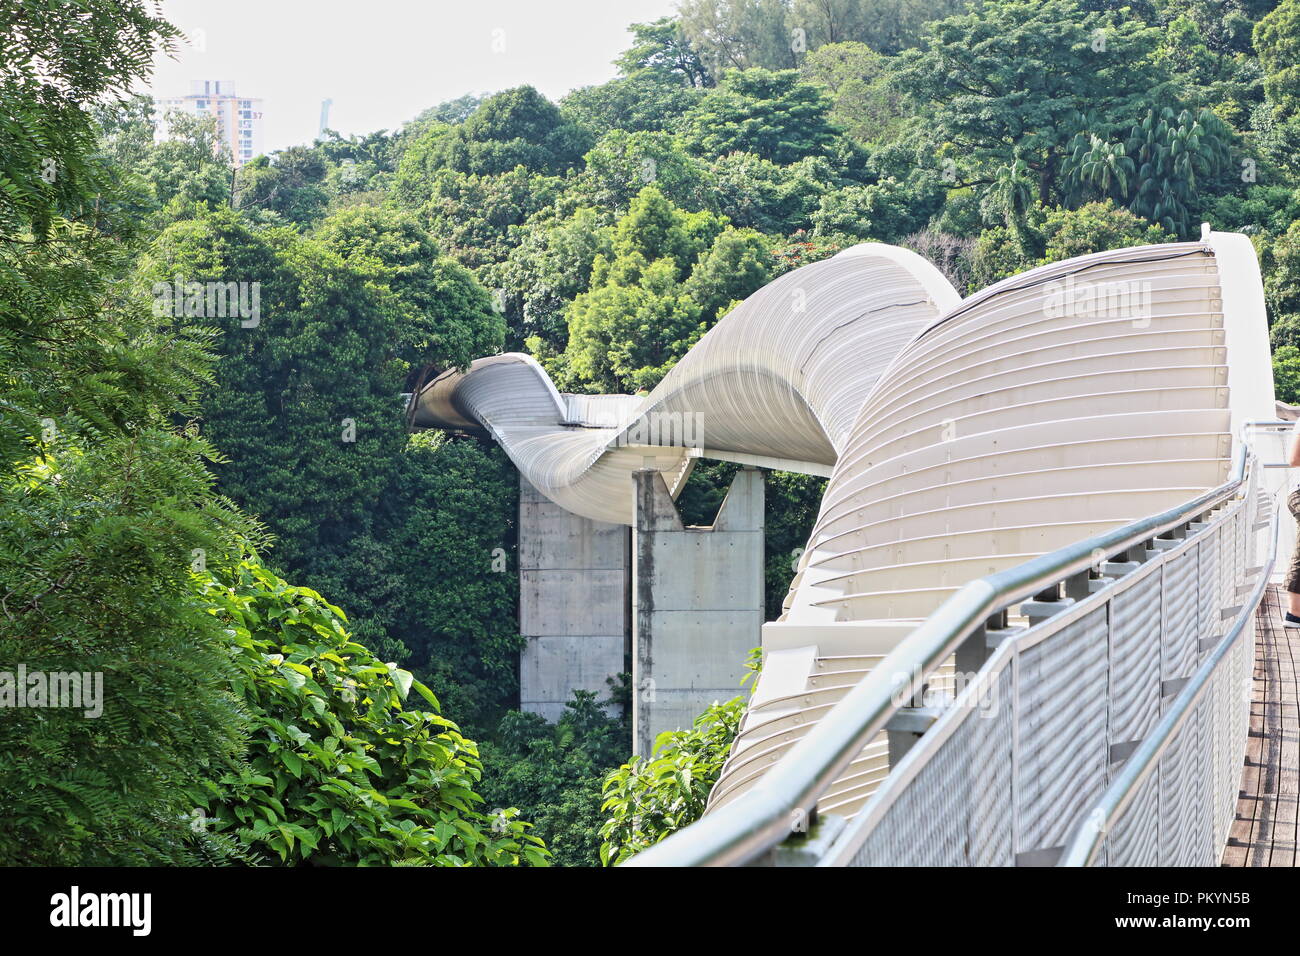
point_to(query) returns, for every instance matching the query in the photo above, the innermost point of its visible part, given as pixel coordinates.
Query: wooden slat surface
(1264, 830)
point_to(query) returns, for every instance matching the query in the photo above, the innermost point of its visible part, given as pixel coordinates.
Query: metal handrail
(1093, 826)
(763, 816)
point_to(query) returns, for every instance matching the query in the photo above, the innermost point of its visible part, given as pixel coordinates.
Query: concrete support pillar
(574, 603)
(698, 604)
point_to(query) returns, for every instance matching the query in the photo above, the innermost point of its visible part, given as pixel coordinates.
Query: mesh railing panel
(1179, 609)
(1061, 730)
(1013, 783)
(957, 810)
(1135, 660)
(1132, 841)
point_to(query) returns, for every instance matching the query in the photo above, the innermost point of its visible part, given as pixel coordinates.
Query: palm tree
(1098, 170)
(1175, 151)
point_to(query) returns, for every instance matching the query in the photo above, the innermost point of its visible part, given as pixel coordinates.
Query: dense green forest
(312, 646)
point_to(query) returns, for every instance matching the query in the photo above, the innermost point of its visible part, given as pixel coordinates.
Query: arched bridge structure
(1022, 629)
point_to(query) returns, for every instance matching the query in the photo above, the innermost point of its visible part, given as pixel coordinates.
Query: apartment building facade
(239, 118)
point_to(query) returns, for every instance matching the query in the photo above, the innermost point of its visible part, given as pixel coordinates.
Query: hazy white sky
(383, 61)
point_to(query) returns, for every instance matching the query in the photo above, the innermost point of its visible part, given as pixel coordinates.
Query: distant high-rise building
(239, 118)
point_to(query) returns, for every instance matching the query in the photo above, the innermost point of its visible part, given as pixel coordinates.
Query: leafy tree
(1286, 374)
(663, 50)
(451, 111)
(105, 498)
(1280, 260)
(887, 210)
(642, 102)
(670, 274)
(339, 771)
(439, 314)
(1174, 154)
(554, 772)
(1013, 81)
(621, 164)
(647, 800)
(625, 337)
(867, 105)
(518, 127)
(755, 192)
(1266, 209)
(551, 265)
(1277, 40)
(291, 184)
(1278, 140)
(1095, 227)
(793, 502)
(737, 34)
(1050, 235)
(472, 216)
(801, 250)
(885, 25)
(1226, 24)
(453, 535)
(736, 265)
(774, 115)
(303, 399)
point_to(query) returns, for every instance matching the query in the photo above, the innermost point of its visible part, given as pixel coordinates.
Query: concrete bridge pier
(697, 604)
(574, 603)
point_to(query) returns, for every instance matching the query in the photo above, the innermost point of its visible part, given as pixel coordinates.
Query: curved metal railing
(760, 819)
(1089, 836)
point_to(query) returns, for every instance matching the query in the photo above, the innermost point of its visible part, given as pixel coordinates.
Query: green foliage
(290, 184)
(58, 58)
(1281, 263)
(670, 275)
(885, 25)
(739, 140)
(663, 50)
(1286, 374)
(867, 106)
(792, 505)
(306, 405)
(885, 211)
(472, 217)
(438, 313)
(753, 191)
(772, 114)
(1095, 227)
(1263, 209)
(105, 500)
(554, 772)
(457, 582)
(1173, 154)
(737, 34)
(189, 166)
(1015, 81)
(621, 164)
(646, 101)
(518, 127)
(339, 771)
(649, 799)
(549, 267)
(999, 252)
(1277, 40)
(1050, 235)
(802, 250)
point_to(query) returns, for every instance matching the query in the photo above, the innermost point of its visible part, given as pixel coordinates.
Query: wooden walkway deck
(1268, 808)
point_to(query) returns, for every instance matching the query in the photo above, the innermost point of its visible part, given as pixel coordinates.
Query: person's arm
(1293, 449)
